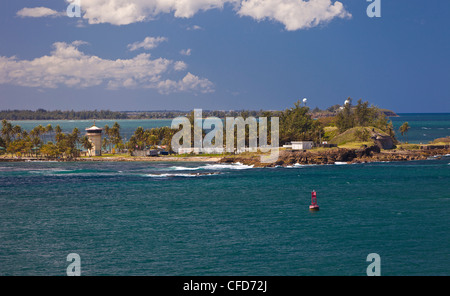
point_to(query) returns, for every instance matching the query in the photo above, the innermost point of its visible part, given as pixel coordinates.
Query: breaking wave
(213, 167)
(186, 175)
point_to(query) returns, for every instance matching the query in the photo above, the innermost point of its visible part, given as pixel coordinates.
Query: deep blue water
(147, 218)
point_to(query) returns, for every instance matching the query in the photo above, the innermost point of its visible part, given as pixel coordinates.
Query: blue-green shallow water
(134, 218)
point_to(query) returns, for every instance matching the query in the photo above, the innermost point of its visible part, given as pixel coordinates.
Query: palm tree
(48, 129)
(58, 133)
(404, 130)
(152, 140)
(7, 130)
(86, 144)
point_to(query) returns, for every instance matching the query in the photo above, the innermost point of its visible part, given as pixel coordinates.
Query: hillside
(361, 135)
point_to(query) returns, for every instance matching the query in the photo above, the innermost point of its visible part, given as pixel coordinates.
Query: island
(351, 133)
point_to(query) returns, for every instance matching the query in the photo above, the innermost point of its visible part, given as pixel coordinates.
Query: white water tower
(304, 101)
(95, 137)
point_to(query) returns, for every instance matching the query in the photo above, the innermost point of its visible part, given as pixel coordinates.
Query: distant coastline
(42, 114)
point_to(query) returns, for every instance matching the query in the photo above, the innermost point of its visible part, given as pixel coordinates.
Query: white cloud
(186, 52)
(194, 28)
(148, 43)
(68, 66)
(190, 82)
(37, 12)
(293, 14)
(180, 66)
(124, 12)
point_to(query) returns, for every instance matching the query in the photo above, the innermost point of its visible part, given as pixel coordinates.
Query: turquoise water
(424, 127)
(127, 126)
(146, 218)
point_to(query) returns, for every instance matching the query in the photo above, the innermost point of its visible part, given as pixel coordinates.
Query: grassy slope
(350, 137)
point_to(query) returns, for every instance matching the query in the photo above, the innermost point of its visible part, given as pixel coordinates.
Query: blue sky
(224, 54)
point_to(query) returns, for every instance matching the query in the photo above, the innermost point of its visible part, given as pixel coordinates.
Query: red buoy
(314, 206)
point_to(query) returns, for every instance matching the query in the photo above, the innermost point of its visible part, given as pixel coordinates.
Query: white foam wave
(297, 165)
(234, 166)
(185, 175)
(340, 163)
(180, 168)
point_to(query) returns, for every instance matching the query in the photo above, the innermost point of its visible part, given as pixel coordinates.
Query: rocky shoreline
(338, 155)
(286, 157)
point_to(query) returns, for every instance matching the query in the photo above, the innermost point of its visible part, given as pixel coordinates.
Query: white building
(95, 137)
(302, 145)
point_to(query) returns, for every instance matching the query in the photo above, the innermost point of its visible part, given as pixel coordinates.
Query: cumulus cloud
(123, 12)
(293, 14)
(37, 12)
(68, 66)
(148, 43)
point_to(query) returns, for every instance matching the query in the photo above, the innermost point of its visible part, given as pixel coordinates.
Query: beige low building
(302, 145)
(95, 137)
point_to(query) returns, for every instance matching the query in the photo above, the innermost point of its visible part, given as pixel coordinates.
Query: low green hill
(356, 135)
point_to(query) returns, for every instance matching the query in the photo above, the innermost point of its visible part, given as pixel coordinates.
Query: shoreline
(286, 157)
(339, 156)
(117, 159)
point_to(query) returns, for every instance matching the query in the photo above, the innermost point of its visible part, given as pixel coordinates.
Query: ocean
(160, 218)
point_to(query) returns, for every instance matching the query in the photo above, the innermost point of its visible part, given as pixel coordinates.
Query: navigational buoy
(314, 206)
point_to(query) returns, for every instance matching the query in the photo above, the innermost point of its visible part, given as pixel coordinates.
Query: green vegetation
(330, 132)
(111, 139)
(406, 146)
(442, 141)
(297, 124)
(361, 115)
(142, 139)
(356, 135)
(404, 130)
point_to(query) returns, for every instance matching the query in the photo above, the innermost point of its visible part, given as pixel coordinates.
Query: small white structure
(201, 150)
(95, 137)
(302, 145)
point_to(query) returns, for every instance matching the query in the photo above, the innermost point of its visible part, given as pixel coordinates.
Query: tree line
(52, 142)
(42, 114)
